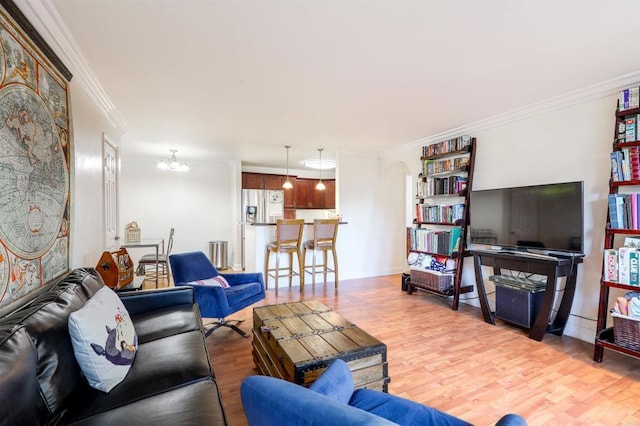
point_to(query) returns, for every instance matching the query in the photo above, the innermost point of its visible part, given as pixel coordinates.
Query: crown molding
(600, 90)
(44, 17)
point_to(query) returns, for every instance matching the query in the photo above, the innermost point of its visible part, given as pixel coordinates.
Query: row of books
(430, 167)
(625, 164)
(436, 241)
(444, 147)
(451, 185)
(623, 211)
(629, 98)
(440, 213)
(622, 265)
(629, 129)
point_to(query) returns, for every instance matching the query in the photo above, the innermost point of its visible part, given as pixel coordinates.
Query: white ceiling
(241, 79)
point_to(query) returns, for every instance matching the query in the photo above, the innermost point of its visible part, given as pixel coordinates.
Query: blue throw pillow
(336, 382)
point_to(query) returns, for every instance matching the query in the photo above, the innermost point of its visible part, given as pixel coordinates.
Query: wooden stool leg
(325, 265)
(335, 265)
(313, 267)
(304, 270)
(301, 270)
(277, 271)
(266, 269)
(290, 269)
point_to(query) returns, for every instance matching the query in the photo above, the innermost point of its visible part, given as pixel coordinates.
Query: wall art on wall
(35, 158)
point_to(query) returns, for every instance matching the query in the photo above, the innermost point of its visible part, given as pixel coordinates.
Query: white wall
(88, 124)
(567, 144)
(201, 205)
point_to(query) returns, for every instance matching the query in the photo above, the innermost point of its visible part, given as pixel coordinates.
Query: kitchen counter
(257, 236)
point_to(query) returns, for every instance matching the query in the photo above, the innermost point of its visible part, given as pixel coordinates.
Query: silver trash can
(218, 254)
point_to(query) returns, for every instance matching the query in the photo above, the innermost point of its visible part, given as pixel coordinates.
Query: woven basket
(432, 280)
(132, 233)
(626, 331)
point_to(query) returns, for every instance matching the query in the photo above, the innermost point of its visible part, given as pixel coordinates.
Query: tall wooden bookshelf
(616, 230)
(439, 230)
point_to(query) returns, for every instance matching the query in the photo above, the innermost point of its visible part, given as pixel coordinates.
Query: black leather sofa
(171, 381)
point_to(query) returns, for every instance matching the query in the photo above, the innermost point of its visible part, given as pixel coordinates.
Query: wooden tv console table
(552, 267)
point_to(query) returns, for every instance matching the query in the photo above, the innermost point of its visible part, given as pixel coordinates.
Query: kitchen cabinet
(252, 181)
(308, 197)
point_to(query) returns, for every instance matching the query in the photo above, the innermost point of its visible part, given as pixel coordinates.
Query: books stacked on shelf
(629, 98)
(623, 211)
(445, 147)
(436, 241)
(452, 185)
(440, 213)
(625, 164)
(622, 265)
(450, 165)
(629, 129)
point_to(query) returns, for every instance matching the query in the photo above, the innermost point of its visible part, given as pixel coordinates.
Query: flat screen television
(537, 218)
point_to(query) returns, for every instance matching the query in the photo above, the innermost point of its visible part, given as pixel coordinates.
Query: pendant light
(320, 186)
(287, 183)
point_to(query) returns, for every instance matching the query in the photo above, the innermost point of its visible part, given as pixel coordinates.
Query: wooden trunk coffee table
(298, 341)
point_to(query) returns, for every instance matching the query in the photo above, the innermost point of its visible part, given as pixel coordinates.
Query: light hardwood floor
(456, 362)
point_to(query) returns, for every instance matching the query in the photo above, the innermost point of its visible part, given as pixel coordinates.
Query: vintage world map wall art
(35, 154)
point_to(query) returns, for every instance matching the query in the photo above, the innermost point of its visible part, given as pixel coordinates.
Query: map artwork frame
(35, 166)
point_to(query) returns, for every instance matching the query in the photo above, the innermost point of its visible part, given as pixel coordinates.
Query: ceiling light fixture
(172, 164)
(320, 186)
(287, 183)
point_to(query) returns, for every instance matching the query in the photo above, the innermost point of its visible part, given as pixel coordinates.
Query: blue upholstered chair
(214, 301)
(332, 400)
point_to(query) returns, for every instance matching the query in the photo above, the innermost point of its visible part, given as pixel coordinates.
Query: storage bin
(432, 280)
(626, 331)
(218, 254)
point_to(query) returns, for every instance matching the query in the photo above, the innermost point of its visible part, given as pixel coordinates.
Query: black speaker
(518, 305)
(405, 281)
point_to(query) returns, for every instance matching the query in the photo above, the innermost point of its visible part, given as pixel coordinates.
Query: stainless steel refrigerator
(259, 206)
(262, 206)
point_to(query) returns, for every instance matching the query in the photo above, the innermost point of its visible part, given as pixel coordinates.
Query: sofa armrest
(268, 401)
(244, 278)
(137, 302)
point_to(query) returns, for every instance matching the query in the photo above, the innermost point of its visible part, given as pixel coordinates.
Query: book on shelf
(625, 166)
(624, 211)
(611, 265)
(616, 166)
(624, 256)
(447, 146)
(435, 241)
(622, 265)
(632, 242)
(629, 98)
(634, 267)
(630, 129)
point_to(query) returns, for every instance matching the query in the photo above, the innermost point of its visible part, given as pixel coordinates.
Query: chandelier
(172, 164)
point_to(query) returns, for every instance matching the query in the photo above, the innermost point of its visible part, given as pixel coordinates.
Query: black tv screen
(536, 218)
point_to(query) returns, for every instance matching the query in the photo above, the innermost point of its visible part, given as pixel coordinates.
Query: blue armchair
(214, 301)
(332, 400)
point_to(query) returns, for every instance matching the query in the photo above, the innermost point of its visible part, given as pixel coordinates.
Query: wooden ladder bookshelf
(440, 226)
(616, 230)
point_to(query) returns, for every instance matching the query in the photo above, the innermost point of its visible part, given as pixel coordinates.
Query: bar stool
(325, 232)
(288, 240)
